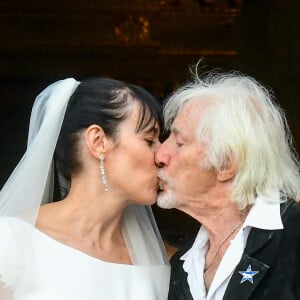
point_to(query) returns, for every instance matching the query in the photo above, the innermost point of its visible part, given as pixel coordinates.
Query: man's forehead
(190, 114)
(198, 103)
(192, 110)
(185, 120)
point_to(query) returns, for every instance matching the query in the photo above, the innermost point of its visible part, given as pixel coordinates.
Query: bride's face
(132, 169)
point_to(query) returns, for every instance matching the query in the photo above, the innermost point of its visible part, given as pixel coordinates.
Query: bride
(90, 145)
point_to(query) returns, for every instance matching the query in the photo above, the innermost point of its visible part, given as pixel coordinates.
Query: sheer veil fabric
(31, 183)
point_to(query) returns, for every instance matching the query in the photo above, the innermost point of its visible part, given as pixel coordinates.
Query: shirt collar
(199, 243)
(265, 213)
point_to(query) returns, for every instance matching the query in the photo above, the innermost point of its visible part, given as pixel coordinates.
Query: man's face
(182, 179)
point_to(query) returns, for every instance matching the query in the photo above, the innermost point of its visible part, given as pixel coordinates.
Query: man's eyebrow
(176, 130)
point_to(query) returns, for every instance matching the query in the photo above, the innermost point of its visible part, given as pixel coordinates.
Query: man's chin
(166, 200)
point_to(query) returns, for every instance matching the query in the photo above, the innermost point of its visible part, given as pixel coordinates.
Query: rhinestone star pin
(248, 274)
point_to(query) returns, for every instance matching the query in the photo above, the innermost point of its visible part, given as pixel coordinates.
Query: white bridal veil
(31, 183)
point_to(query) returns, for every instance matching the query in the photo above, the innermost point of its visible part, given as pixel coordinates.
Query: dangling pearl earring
(103, 175)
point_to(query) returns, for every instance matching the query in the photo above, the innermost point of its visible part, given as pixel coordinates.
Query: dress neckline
(40, 234)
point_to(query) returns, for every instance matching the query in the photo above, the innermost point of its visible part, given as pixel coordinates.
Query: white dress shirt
(264, 214)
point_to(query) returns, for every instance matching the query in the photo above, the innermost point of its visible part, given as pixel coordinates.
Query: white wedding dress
(50, 270)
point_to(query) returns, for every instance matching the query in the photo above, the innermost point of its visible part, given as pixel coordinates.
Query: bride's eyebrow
(152, 130)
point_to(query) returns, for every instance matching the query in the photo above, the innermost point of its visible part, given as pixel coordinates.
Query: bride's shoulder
(12, 225)
(13, 231)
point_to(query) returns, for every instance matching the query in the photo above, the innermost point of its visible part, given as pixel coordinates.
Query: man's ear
(96, 140)
(227, 172)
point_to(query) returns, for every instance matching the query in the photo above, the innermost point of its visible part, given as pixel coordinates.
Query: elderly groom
(229, 164)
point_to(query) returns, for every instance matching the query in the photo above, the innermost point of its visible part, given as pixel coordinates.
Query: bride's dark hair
(104, 102)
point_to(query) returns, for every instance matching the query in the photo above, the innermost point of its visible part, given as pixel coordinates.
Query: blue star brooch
(248, 275)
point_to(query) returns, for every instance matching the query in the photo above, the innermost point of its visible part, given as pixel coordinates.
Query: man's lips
(161, 184)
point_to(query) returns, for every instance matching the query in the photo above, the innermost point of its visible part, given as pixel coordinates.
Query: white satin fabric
(31, 184)
(52, 270)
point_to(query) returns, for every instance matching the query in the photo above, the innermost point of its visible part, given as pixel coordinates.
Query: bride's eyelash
(150, 142)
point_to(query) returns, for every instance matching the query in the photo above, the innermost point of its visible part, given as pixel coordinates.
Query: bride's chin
(152, 199)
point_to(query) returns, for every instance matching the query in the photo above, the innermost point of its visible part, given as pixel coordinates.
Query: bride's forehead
(140, 114)
(141, 121)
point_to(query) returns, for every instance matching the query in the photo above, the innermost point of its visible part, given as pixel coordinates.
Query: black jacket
(274, 253)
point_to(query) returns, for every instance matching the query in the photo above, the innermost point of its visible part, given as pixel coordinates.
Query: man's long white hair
(246, 127)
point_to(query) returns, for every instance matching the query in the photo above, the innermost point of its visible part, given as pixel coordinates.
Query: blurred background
(151, 43)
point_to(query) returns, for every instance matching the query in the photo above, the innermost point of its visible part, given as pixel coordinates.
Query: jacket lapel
(239, 288)
(180, 289)
(245, 279)
(249, 272)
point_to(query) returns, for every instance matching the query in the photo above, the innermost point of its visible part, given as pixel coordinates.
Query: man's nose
(162, 157)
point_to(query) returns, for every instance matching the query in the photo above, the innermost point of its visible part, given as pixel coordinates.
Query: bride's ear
(96, 140)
